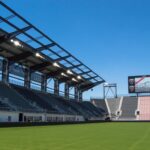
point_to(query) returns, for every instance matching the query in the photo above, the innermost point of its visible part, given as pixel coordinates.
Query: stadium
(33, 67)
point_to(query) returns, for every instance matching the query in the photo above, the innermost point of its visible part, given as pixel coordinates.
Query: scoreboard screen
(139, 84)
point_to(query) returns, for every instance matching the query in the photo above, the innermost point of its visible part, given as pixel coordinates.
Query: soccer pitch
(100, 136)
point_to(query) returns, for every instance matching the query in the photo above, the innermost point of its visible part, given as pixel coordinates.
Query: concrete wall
(37, 117)
(9, 116)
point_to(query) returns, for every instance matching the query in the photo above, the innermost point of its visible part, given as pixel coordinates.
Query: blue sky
(110, 36)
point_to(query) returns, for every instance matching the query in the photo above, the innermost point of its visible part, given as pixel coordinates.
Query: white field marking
(141, 140)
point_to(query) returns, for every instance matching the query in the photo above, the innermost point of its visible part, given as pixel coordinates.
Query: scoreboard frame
(132, 84)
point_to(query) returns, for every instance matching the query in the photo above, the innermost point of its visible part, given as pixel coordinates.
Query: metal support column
(5, 71)
(76, 93)
(43, 83)
(66, 91)
(27, 77)
(80, 95)
(56, 86)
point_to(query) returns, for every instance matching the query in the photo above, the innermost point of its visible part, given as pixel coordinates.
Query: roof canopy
(23, 43)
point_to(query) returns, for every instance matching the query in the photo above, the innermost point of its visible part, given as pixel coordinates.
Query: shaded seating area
(61, 105)
(129, 107)
(15, 100)
(28, 100)
(101, 104)
(4, 107)
(34, 99)
(113, 104)
(95, 111)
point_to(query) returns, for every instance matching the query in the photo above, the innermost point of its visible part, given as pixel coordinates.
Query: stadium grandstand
(49, 99)
(29, 61)
(127, 108)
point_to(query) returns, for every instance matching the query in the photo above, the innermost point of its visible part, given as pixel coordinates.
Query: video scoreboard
(139, 84)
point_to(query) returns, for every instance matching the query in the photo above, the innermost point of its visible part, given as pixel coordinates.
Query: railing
(20, 81)
(4, 108)
(16, 82)
(61, 93)
(35, 87)
(0, 75)
(50, 90)
(120, 95)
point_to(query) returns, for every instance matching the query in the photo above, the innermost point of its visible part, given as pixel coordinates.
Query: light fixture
(12, 40)
(79, 77)
(16, 43)
(56, 64)
(69, 72)
(73, 79)
(63, 74)
(38, 55)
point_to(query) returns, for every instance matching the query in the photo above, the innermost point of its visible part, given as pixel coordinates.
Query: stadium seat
(144, 108)
(15, 100)
(113, 106)
(129, 107)
(100, 103)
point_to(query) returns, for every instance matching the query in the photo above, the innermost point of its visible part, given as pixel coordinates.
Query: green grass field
(101, 136)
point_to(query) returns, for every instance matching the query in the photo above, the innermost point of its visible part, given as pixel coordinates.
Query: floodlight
(63, 74)
(79, 77)
(17, 43)
(73, 79)
(56, 64)
(69, 72)
(38, 55)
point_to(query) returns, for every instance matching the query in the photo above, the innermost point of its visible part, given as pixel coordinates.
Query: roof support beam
(6, 37)
(64, 80)
(84, 73)
(7, 18)
(40, 66)
(16, 33)
(3, 38)
(86, 87)
(45, 47)
(80, 82)
(75, 66)
(55, 73)
(20, 56)
(91, 78)
(62, 58)
(69, 80)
